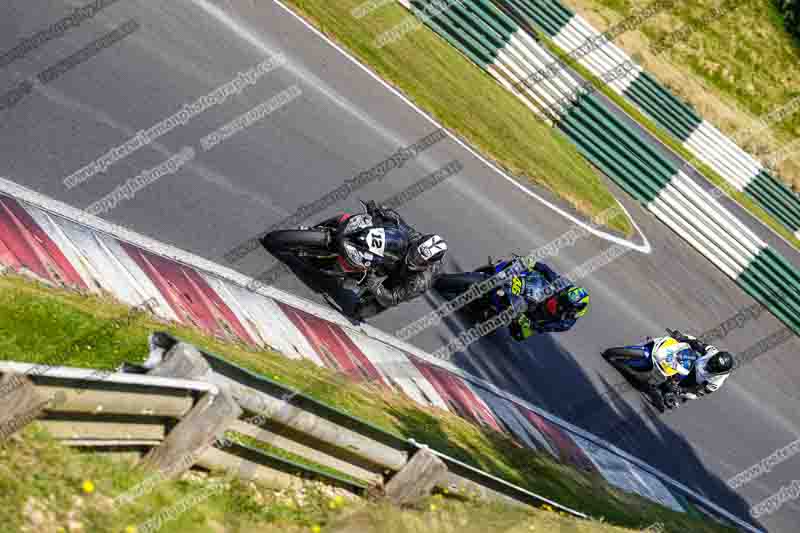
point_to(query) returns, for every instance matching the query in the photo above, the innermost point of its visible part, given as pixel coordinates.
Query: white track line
(254, 39)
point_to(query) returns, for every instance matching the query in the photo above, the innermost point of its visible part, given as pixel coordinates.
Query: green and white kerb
(596, 52)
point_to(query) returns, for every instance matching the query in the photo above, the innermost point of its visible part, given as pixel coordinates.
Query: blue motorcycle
(492, 289)
(657, 367)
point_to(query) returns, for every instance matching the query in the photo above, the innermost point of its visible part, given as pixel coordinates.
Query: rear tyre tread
(294, 240)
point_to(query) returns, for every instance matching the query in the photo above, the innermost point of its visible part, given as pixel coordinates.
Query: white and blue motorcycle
(657, 366)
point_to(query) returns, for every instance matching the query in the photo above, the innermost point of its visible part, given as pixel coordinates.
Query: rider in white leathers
(707, 372)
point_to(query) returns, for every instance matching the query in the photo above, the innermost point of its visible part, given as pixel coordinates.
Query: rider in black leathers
(410, 277)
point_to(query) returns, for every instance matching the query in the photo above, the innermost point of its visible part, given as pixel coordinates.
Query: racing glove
(692, 341)
(523, 328)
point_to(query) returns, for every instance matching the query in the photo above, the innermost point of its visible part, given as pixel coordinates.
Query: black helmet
(425, 251)
(720, 363)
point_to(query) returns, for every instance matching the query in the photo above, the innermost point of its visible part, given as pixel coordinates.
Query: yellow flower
(130, 529)
(339, 500)
(332, 504)
(547, 507)
(88, 487)
(315, 529)
(433, 507)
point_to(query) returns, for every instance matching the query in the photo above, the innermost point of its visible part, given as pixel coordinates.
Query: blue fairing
(639, 364)
(501, 302)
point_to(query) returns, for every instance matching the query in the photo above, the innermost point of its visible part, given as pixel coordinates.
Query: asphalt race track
(345, 122)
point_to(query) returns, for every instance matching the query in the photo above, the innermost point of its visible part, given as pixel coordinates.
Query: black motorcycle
(347, 246)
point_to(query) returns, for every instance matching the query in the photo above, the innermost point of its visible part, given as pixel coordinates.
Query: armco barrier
(396, 450)
(499, 38)
(573, 34)
(93, 402)
(61, 245)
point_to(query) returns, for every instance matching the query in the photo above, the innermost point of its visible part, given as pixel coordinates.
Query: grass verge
(47, 488)
(40, 324)
(737, 67)
(466, 100)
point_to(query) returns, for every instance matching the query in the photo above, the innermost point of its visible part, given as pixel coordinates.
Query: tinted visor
(396, 244)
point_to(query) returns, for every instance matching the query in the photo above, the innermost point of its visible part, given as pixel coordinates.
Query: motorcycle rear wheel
(311, 241)
(621, 354)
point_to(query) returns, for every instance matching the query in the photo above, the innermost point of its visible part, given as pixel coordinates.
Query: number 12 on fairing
(376, 241)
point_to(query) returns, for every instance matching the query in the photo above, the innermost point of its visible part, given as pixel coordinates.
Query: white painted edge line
(94, 223)
(642, 248)
(94, 376)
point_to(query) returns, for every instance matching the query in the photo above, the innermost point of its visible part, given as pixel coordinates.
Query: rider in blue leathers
(554, 312)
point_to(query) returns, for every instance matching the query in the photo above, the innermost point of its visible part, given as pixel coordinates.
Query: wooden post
(417, 479)
(183, 361)
(194, 434)
(21, 403)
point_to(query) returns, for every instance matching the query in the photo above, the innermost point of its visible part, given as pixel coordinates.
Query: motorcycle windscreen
(669, 355)
(535, 285)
